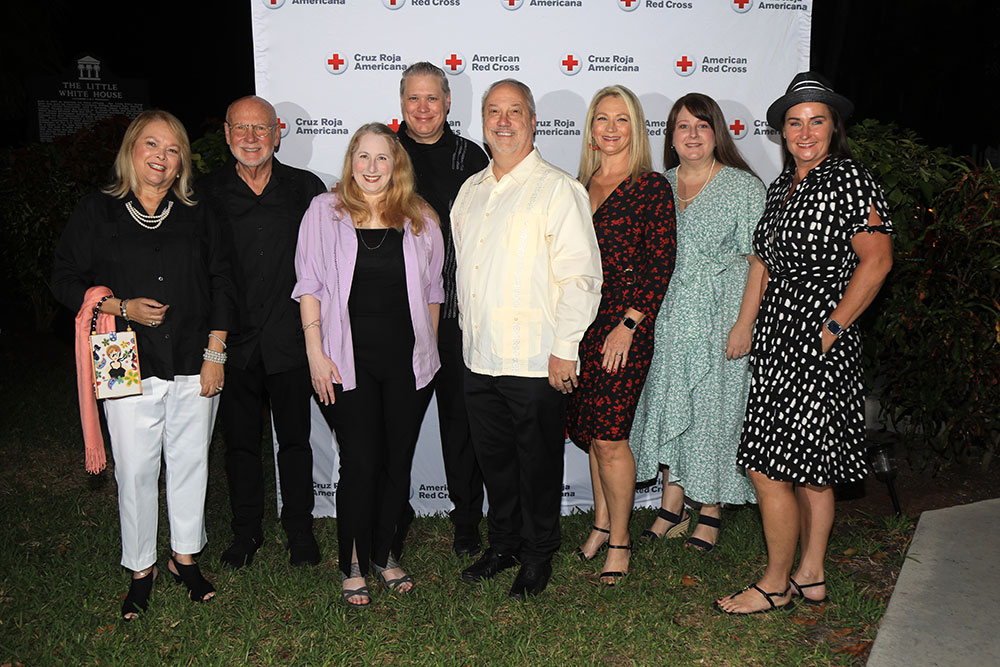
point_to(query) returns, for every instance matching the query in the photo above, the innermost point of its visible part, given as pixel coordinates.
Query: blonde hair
(401, 201)
(125, 179)
(640, 159)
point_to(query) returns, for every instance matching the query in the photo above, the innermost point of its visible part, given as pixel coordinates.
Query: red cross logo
(511, 4)
(282, 127)
(394, 125)
(273, 4)
(737, 129)
(570, 65)
(628, 5)
(741, 6)
(336, 64)
(454, 63)
(393, 4)
(684, 66)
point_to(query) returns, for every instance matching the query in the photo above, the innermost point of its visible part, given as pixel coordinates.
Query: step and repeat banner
(330, 66)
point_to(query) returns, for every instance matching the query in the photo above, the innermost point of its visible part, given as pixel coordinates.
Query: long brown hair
(401, 201)
(125, 178)
(704, 108)
(640, 160)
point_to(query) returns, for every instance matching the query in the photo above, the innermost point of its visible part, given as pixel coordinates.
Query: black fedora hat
(807, 87)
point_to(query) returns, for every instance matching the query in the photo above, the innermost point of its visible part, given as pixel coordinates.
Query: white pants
(171, 419)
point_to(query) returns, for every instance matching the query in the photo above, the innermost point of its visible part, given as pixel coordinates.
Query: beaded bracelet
(212, 355)
(124, 306)
(224, 346)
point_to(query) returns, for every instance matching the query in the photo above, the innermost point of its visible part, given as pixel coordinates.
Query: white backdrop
(330, 66)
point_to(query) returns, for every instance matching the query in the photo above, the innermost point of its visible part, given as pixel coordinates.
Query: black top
(264, 229)
(183, 263)
(379, 283)
(441, 168)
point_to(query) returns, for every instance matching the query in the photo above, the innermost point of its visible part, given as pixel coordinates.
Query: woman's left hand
(213, 377)
(828, 340)
(615, 348)
(738, 343)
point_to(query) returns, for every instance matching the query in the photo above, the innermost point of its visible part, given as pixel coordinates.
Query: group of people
(619, 307)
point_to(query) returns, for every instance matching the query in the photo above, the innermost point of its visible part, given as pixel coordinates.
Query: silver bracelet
(212, 355)
(224, 346)
(124, 306)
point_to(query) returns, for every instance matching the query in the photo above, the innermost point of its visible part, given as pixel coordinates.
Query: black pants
(376, 425)
(518, 429)
(248, 391)
(465, 481)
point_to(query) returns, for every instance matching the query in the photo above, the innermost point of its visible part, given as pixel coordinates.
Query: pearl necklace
(710, 169)
(148, 221)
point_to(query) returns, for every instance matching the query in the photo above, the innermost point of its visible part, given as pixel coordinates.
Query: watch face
(630, 323)
(834, 327)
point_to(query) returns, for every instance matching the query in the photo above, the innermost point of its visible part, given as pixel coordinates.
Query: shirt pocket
(516, 333)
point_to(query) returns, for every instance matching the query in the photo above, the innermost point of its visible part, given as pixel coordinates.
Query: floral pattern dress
(635, 229)
(691, 411)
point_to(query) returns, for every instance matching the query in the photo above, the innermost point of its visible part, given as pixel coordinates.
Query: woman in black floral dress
(634, 220)
(824, 241)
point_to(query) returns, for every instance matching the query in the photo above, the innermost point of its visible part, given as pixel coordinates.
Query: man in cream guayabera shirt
(529, 283)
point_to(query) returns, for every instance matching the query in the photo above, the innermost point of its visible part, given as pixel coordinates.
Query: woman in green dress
(691, 410)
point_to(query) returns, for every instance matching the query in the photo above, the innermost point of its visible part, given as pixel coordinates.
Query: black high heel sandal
(137, 600)
(681, 522)
(700, 544)
(614, 576)
(190, 575)
(584, 557)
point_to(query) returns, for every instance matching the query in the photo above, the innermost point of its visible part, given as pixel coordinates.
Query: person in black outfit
(262, 202)
(164, 260)
(442, 161)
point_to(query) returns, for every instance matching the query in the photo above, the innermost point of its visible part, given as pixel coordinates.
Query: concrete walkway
(945, 609)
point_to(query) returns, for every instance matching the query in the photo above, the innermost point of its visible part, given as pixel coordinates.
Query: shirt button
(166, 336)
(160, 278)
(261, 253)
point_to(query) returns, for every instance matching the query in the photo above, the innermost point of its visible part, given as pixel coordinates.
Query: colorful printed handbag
(116, 362)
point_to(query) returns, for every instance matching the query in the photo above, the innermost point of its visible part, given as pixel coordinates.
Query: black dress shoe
(488, 565)
(467, 540)
(303, 549)
(531, 580)
(240, 552)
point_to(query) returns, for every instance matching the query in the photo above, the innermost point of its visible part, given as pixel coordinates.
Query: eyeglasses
(259, 131)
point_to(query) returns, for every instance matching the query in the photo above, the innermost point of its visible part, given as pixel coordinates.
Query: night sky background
(929, 66)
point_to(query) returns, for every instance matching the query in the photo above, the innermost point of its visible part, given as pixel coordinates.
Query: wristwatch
(834, 327)
(629, 323)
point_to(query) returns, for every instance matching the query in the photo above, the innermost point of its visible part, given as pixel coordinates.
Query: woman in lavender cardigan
(369, 286)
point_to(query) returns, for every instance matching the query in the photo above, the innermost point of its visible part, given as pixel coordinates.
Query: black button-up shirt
(264, 230)
(184, 263)
(441, 169)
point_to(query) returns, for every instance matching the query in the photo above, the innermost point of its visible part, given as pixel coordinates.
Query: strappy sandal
(767, 596)
(700, 544)
(137, 600)
(394, 585)
(799, 594)
(681, 522)
(361, 591)
(611, 578)
(198, 586)
(583, 556)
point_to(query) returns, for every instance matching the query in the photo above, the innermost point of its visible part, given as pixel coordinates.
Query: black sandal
(137, 600)
(198, 586)
(788, 606)
(614, 577)
(700, 544)
(799, 594)
(681, 522)
(579, 550)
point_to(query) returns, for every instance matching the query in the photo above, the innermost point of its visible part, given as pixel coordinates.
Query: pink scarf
(93, 441)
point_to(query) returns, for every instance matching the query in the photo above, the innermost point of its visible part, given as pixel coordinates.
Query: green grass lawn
(61, 587)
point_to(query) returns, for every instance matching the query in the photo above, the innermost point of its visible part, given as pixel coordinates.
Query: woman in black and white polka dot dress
(824, 239)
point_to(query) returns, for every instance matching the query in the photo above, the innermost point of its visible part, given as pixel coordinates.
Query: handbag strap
(97, 309)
